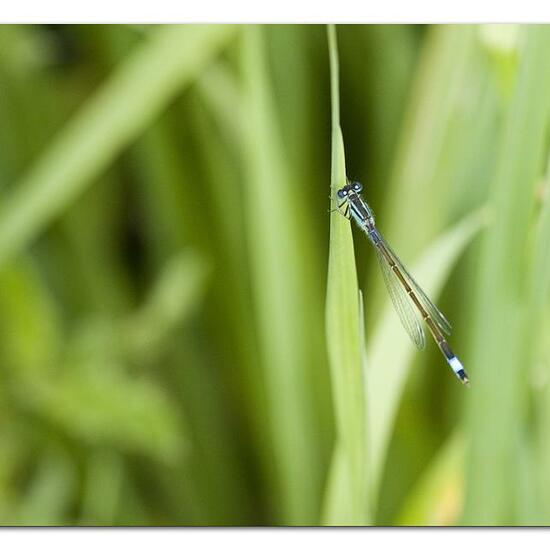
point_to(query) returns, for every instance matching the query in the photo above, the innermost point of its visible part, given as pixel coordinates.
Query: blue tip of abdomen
(458, 369)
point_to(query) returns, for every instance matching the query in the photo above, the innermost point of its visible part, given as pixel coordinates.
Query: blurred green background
(168, 355)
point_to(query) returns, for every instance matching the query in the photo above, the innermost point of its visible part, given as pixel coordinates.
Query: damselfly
(404, 291)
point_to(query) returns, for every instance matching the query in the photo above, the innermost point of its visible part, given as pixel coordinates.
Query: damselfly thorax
(355, 205)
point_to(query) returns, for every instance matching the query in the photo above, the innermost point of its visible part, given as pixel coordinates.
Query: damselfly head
(353, 186)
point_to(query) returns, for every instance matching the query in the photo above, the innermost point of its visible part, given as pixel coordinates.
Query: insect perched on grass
(403, 289)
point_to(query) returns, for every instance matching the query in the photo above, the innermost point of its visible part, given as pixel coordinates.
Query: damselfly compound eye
(357, 187)
(342, 193)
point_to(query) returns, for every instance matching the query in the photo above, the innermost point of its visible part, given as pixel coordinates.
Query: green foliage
(188, 337)
(389, 350)
(282, 300)
(503, 295)
(347, 486)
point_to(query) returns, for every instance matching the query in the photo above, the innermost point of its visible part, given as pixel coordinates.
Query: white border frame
(287, 11)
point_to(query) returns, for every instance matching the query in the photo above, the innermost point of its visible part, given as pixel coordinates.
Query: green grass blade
(104, 472)
(421, 158)
(48, 497)
(501, 328)
(219, 89)
(139, 89)
(543, 417)
(427, 163)
(390, 351)
(437, 497)
(540, 285)
(338, 507)
(30, 324)
(344, 343)
(540, 269)
(279, 272)
(173, 298)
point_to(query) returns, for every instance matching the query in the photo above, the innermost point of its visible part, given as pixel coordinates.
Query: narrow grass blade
(219, 89)
(48, 498)
(390, 350)
(338, 506)
(280, 264)
(428, 164)
(104, 472)
(542, 364)
(540, 265)
(174, 297)
(420, 160)
(496, 438)
(30, 324)
(540, 349)
(438, 497)
(139, 89)
(349, 470)
(501, 328)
